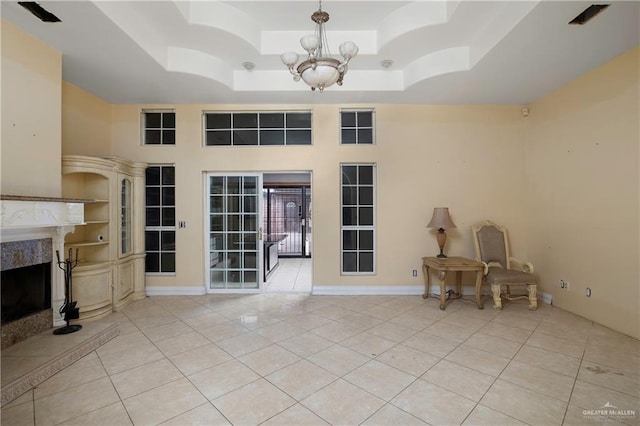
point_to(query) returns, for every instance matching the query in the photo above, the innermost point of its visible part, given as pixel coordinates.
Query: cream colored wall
(583, 193)
(31, 111)
(86, 122)
(469, 158)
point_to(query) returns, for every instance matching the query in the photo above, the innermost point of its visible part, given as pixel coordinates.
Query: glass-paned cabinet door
(125, 216)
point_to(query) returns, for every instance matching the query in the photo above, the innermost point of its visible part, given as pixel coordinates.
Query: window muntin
(357, 127)
(158, 127)
(358, 218)
(257, 128)
(160, 229)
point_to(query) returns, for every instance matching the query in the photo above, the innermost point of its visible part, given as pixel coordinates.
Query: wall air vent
(39, 11)
(588, 14)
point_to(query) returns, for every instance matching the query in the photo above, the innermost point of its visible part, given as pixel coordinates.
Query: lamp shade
(441, 218)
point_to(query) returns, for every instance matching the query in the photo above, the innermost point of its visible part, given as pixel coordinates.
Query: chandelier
(320, 69)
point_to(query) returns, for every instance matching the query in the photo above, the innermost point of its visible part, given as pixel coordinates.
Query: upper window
(356, 127)
(257, 128)
(158, 127)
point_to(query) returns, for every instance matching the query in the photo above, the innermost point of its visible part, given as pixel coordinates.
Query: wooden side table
(451, 264)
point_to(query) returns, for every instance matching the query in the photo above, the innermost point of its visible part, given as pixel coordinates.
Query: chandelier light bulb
(289, 58)
(348, 50)
(310, 42)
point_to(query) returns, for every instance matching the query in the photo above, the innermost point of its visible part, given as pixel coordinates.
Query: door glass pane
(216, 185)
(234, 252)
(233, 185)
(233, 204)
(250, 185)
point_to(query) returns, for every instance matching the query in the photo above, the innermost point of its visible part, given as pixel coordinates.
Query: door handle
(260, 234)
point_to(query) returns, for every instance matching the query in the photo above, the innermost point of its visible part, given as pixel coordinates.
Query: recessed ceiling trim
(444, 61)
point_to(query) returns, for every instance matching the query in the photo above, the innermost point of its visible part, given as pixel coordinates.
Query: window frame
(356, 127)
(144, 128)
(258, 129)
(358, 227)
(160, 229)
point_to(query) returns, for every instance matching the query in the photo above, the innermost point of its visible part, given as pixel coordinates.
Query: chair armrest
(486, 268)
(520, 265)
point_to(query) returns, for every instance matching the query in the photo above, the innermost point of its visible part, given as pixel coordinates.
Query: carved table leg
(478, 289)
(497, 302)
(533, 301)
(427, 281)
(443, 289)
(459, 283)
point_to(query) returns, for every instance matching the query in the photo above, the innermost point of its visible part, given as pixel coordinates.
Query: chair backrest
(491, 243)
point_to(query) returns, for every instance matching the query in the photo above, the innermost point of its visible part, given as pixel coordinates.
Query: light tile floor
(287, 359)
(293, 275)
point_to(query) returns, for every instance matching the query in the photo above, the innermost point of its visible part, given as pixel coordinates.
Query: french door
(234, 255)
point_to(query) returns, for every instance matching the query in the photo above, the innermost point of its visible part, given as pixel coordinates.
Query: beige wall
(31, 115)
(469, 158)
(86, 122)
(582, 193)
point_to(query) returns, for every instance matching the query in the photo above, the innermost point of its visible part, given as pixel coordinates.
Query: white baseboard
(356, 290)
(174, 291)
(546, 298)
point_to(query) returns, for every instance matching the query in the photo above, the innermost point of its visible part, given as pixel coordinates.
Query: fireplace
(32, 229)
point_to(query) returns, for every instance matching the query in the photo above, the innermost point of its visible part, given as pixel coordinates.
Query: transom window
(356, 127)
(160, 227)
(158, 127)
(358, 184)
(257, 128)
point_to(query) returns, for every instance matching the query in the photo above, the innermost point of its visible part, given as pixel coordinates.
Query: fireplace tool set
(69, 307)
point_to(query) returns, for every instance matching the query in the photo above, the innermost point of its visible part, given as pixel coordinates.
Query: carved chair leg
(533, 300)
(497, 302)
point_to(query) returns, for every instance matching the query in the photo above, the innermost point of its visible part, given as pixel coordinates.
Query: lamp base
(441, 236)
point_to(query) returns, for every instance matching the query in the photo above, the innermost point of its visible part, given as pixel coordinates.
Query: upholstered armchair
(500, 269)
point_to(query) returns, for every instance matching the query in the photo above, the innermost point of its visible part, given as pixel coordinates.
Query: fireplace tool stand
(69, 307)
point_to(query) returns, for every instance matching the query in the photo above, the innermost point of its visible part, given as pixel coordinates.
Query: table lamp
(441, 220)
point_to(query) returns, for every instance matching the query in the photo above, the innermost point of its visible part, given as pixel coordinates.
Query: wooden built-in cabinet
(110, 243)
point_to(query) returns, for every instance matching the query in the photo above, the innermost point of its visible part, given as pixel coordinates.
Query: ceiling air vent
(39, 11)
(588, 14)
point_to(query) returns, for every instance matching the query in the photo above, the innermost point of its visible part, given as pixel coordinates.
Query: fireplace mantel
(18, 212)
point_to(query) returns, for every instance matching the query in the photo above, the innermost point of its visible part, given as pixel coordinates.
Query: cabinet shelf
(87, 243)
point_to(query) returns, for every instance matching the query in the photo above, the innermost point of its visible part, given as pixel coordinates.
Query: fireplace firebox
(25, 291)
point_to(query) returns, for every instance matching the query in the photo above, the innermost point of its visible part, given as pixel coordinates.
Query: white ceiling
(443, 52)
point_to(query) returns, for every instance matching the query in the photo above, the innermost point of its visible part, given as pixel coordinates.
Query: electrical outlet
(415, 272)
(588, 292)
(563, 284)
